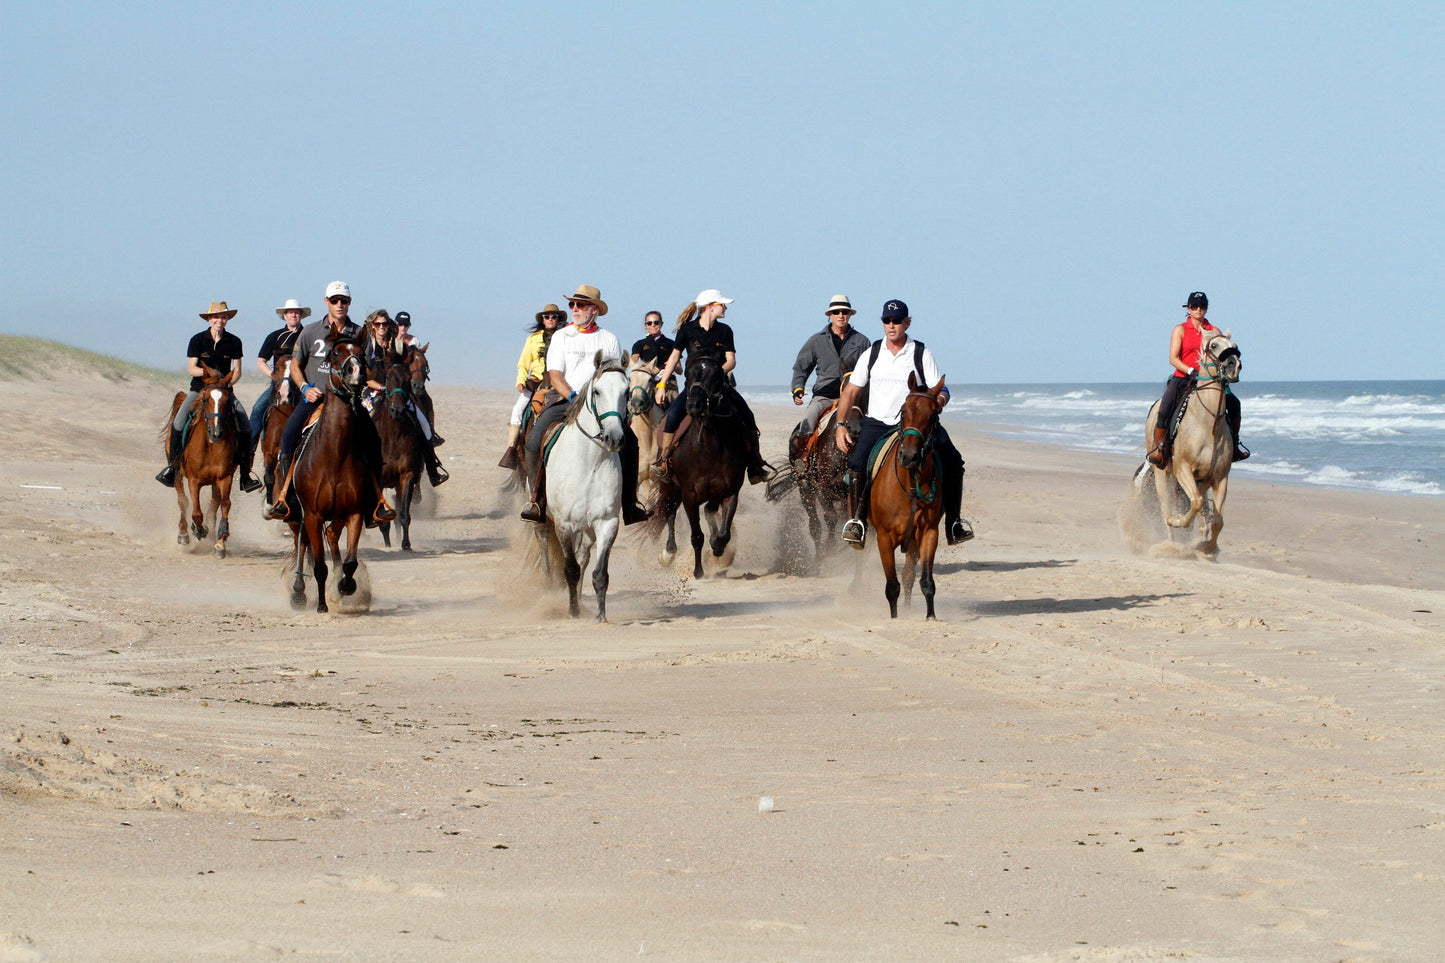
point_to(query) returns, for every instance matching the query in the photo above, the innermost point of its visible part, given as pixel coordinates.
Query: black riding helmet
(1197, 299)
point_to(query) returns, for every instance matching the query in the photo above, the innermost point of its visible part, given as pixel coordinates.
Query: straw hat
(219, 307)
(292, 305)
(840, 301)
(586, 292)
(553, 309)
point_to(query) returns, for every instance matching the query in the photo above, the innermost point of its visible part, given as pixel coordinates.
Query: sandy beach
(1091, 755)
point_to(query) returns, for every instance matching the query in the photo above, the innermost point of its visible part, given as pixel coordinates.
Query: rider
(403, 329)
(422, 403)
(887, 367)
(703, 334)
(310, 374)
(656, 347)
(531, 371)
(571, 362)
(1184, 348)
(221, 351)
(380, 346)
(832, 352)
(274, 350)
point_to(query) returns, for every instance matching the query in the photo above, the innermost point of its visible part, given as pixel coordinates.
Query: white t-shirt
(573, 353)
(889, 378)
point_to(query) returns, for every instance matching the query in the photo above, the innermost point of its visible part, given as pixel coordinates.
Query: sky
(1042, 183)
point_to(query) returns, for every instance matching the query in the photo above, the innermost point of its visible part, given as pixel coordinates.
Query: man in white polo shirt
(571, 362)
(886, 366)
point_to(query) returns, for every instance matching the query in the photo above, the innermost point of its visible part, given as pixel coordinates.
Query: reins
(910, 479)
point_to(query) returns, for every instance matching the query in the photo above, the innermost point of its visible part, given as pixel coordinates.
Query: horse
(645, 415)
(905, 504)
(208, 458)
(332, 486)
(1203, 447)
(283, 401)
(419, 370)
(401, 443)
(709, 460)
(821, 475)
(584, 481)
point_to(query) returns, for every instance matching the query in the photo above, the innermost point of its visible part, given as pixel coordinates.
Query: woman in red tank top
(1184, 348)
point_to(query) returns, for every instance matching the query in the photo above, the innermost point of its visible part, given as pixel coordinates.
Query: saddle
(826, 422)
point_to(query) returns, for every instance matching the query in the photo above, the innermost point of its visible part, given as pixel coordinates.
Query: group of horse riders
(382, 338)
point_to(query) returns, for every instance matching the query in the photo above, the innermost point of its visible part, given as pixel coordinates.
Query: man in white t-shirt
(886, 367)
(571, 362)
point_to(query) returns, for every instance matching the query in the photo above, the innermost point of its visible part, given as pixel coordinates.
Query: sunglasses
(574, 305)
(653, 324)
(338, 299)
(551, 317)
(895, 320)
(844, 313)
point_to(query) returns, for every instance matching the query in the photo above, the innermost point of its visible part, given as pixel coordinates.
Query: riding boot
(278, 509)
(1157, 456)
(798, 443)
(661, 467)
(437, 440)
(509, 457)
(854, 532)
(435, 473)
(759, 471)
(246, 456)
(167, 475)
(536, 510)
(632, 510)
(1240, 452)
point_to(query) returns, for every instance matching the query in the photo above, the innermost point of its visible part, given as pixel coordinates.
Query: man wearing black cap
(886, 367)
(1185, 346)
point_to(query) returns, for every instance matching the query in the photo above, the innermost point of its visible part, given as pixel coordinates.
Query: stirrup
(167, 476)
(1240, 452)
(437, 475)
(383, 512)
(661, 470)
(854, 533)
(278, 511)
(249, 482)
(959, 530)
(533, 512)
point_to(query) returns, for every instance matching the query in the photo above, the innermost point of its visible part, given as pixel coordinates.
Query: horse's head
(348, 367)
(417, 367)
(398, 388)
(215, 401)
(1222, 360)
(605, 402)
(642, 389)
(707, 389)
(917, 421)
(281, 382)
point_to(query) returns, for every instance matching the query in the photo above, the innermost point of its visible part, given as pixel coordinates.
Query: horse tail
(669, 500)
(784, 480)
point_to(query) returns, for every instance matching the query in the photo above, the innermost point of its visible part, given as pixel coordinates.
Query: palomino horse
(709, 461)
(283, 401)
(1203, 448)
(332, 485)
(584, 481)
(645, 416)
(905, 504)
(821, 475)
(401, 444)
(208, 458)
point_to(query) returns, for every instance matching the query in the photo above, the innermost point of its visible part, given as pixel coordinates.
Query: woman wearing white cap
(278, 345)
(702, 333)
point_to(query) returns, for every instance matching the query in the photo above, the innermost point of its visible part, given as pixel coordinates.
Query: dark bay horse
(332, 486)
(401, 442)
(208, 458)
(906, 501)
(709, 462)
(821, 475)
(283, 401)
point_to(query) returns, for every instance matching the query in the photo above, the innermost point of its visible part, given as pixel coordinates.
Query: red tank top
(1193, 342)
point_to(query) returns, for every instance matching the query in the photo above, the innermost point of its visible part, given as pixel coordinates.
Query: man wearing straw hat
(831, 352)
(221, 351)
(278, 346)
(571, 357)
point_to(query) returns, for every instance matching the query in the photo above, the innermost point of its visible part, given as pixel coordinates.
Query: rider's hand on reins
(845, 442)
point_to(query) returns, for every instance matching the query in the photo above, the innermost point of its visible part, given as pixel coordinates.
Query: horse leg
(221, 504)
(809, 495)
(1185, 477)
(318, 559)
(606, 535)
(347, 584)
(1216, 517)
(405, 492)
(695, 524)
(927, 548)
(298, 584)
(910, 569)
(182, 536)
(722, 534)
(669, 550)
(890, 570)
(198, 520)
(572, 570)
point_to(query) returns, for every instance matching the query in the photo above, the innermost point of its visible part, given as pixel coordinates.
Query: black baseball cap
(403, 319)
(1197, 299)
(895, 310)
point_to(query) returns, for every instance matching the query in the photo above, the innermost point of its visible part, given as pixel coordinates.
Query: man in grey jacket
(832, 352)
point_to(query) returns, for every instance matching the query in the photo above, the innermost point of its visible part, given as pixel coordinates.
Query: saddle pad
(825, 423)
(878, 456)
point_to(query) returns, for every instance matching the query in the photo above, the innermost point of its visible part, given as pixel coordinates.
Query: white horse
(584, 480)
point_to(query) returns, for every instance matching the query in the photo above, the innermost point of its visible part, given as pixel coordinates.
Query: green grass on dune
(26, 357)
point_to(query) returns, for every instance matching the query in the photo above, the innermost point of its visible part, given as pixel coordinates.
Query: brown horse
(709, 461)
(332, 487)
(906, 504)
(283, 401)
(420, 371)
(208, 458)
(821, 474)
(402, 444)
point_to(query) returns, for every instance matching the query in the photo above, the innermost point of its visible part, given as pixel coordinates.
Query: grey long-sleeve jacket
(831, 364)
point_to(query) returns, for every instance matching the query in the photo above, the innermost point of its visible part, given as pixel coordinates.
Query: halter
(908, 478)
(591, 405)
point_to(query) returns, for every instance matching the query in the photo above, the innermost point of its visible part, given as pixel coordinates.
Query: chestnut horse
(332, 487)
(905, 503)
(709, 461)
(401, 443)
(208, 458)
(283, 401)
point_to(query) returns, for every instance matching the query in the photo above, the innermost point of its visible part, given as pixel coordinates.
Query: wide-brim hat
(586, 292)
(840, 301)
(219, 307)
(553, 309)
(292, 305)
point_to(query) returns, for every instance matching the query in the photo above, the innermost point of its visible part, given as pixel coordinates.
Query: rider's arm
(803, 367)
(1176, 349)
(263, 365)
(559, 383)
(846, 400)
(193, 365)
(235, 375)
(668, 369)
(730, 361)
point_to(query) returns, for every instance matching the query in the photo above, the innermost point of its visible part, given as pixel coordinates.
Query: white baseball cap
(711, 296)
(338, 287)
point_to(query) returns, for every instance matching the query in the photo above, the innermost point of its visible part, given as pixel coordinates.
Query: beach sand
(1091, 755)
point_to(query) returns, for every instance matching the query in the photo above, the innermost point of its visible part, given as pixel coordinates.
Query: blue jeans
(258, 410)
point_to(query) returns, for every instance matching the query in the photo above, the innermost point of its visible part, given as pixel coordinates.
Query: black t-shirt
(279, 344)
(216, 355)
(697, 343)
(652, 350)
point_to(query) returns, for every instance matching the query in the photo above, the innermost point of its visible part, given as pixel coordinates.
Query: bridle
(909, 478)
(590, 405)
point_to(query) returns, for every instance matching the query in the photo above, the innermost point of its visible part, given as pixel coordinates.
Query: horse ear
(1228, 335)
(938, 387)
(423, 348)
(597, 358)
(913, 384)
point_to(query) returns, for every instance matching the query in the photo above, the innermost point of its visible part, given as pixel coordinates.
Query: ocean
(1381, 436)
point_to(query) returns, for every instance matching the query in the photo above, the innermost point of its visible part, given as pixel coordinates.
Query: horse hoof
(298, 600)
(321, 607)
(347, 586)
(183, 539)
(219, 551)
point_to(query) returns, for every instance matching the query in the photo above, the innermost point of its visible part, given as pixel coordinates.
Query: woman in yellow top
(532, 366)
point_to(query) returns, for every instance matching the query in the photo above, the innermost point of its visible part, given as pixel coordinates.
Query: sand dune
(1092, 755)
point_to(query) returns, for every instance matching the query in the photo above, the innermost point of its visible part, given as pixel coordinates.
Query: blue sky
(1042, 183)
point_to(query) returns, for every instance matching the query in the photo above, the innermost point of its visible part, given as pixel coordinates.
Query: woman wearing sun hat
(531, 370)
